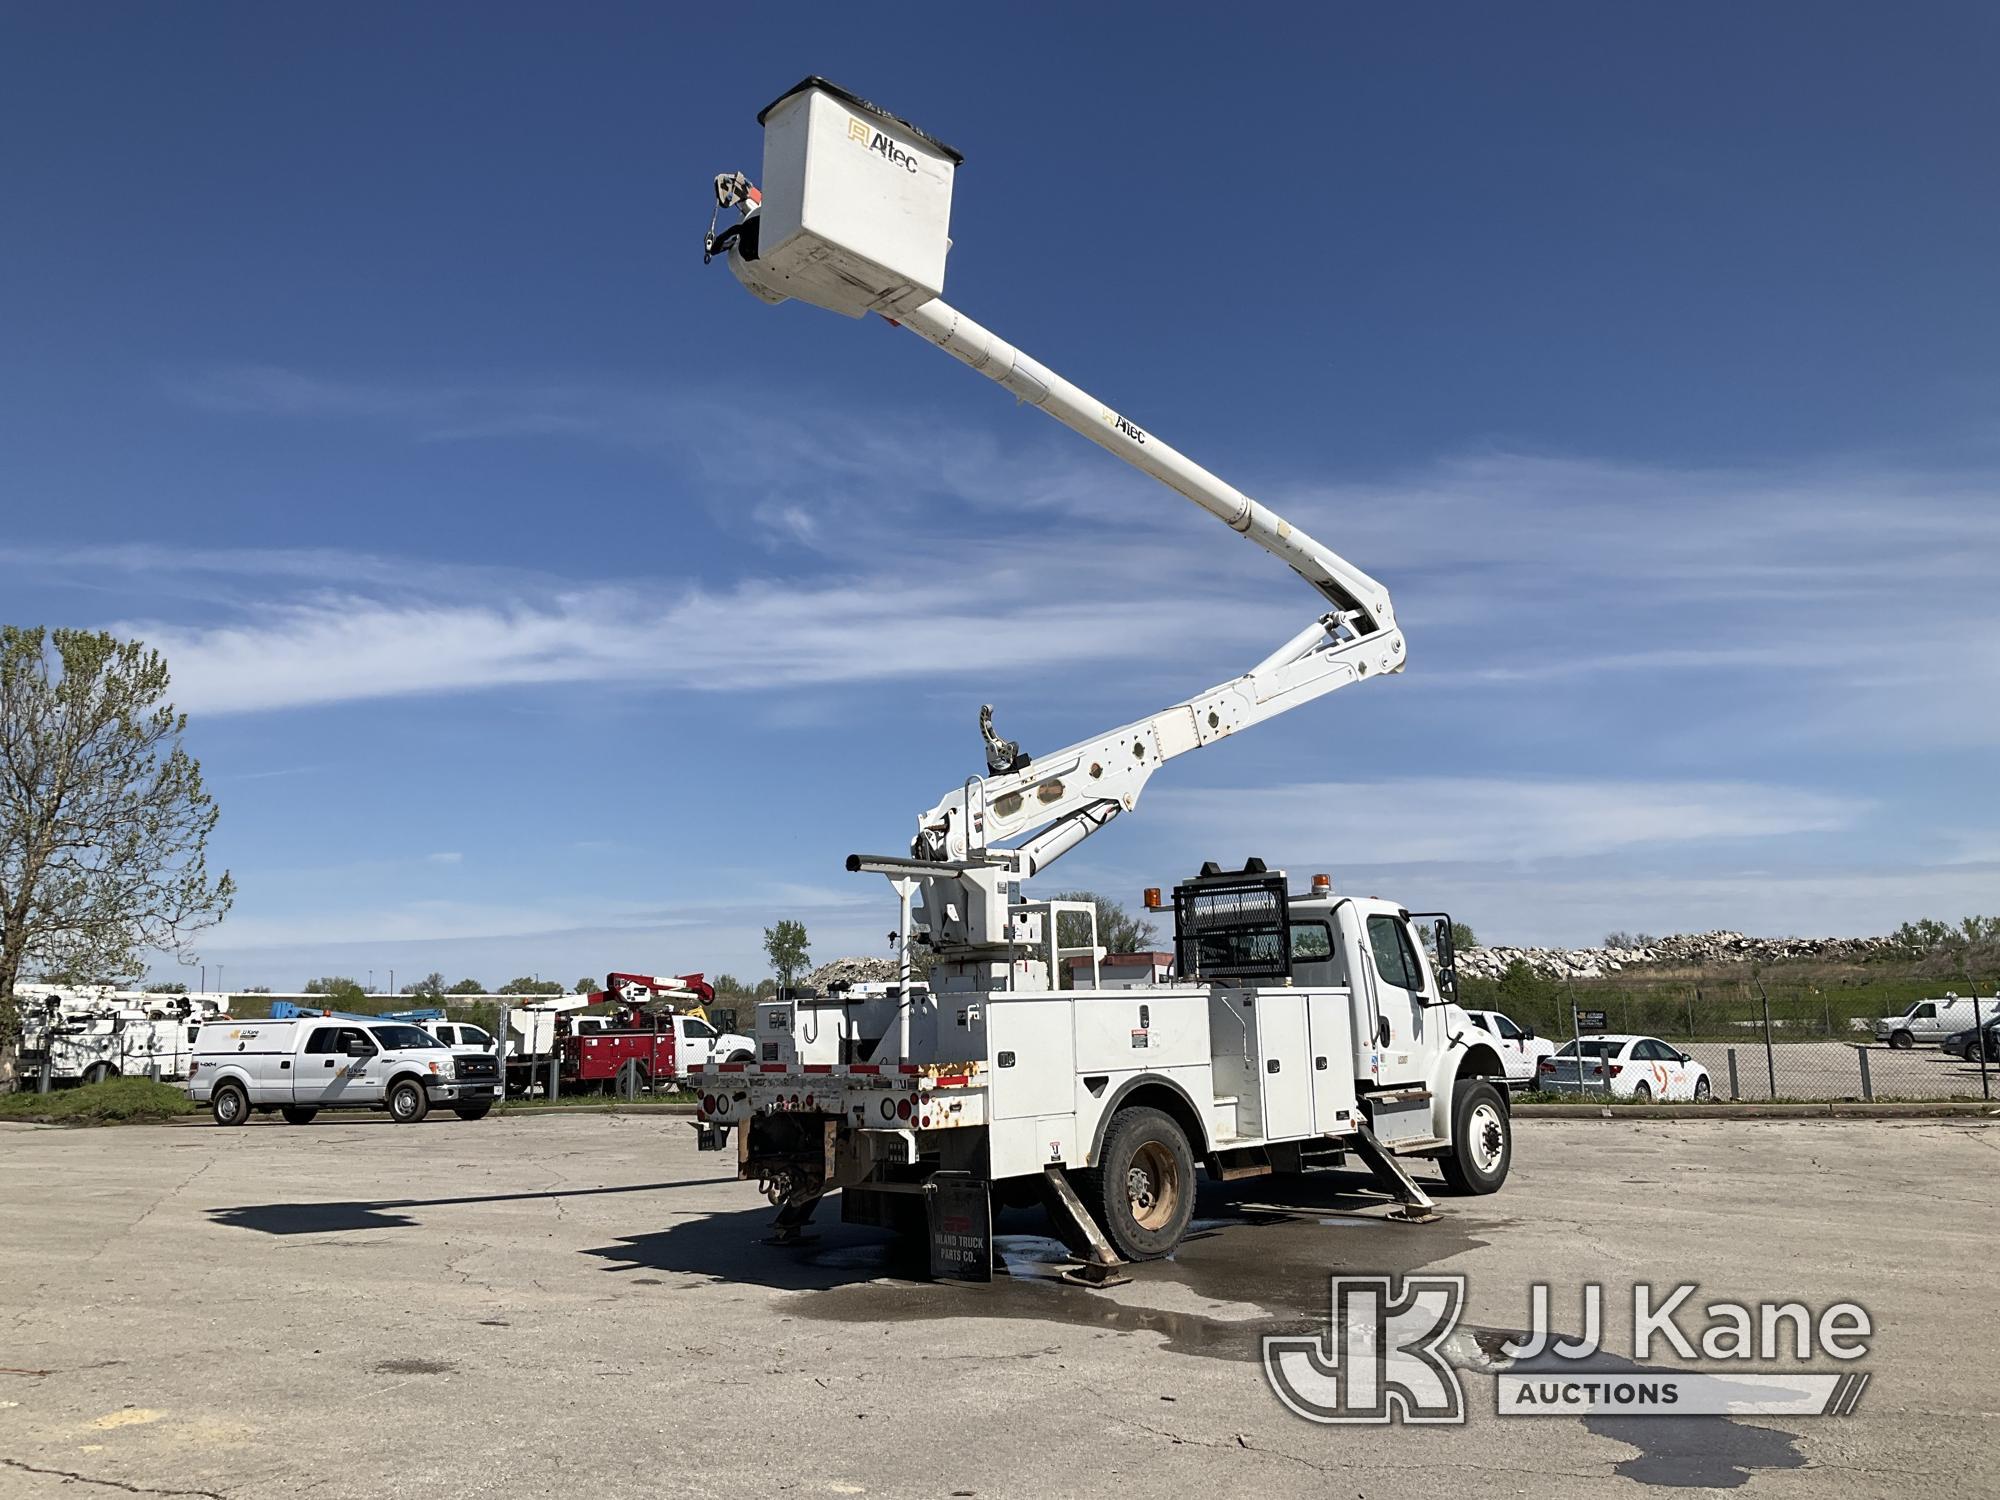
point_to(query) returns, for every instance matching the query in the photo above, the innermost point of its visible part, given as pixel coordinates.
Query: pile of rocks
(852, 971)
(1681, 950)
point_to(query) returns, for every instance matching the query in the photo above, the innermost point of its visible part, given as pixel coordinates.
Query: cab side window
(348, 1034)
(1395, 960)
(1509, 1032)
(700, 1029)
(322, 1040)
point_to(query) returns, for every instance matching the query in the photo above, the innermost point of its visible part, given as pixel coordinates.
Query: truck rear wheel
(298, 1114)
(98, 1072)
(408, 1103)
(1482, 1138)
(229, 1104)
(1142, 1189)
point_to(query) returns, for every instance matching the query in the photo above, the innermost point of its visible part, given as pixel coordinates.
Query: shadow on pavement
(335, 1218)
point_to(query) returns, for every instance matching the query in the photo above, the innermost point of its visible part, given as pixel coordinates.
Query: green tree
(1118, 930)
(729, 984)
(531, 986)
(587, 985)
(786, 947)
(467, 987)
(430, 987)
(766, 988)
(170, 987)
(1462, 937)
(337, 989)
(104, 821)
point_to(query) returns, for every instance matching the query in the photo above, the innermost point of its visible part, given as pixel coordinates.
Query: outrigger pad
(960, 1210)
(1093, 1276)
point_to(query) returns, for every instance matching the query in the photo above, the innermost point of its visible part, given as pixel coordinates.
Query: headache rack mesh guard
(1233, 927)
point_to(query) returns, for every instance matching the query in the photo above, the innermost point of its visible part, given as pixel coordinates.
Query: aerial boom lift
(855, 243)
(1299, 1026)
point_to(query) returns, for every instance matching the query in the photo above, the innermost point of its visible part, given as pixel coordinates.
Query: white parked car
(1520, 1049)
(1641, 1068)
(1934, 1020)
(461, 1036)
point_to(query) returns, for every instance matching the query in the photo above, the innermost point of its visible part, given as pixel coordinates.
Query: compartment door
(1330, 1024)
(1284, 1064)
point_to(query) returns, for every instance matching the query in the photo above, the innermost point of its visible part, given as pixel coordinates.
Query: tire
(1482, 1139)
(408, 1103)
(298, 1114)
(229, 1104)
(1703, 1090)
(1141, 1192)
(739, 1055)
(1902, 1041)
(1642, 1092)
(471, 1111)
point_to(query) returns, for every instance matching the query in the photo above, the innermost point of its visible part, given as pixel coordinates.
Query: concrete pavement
(580, 1305)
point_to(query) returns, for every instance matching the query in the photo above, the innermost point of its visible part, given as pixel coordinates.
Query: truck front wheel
(230, 1105)
(1142, 1188)
(1482, 1138)
(471, 1111)
(408, 1103)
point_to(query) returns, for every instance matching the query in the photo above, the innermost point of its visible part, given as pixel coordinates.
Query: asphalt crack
(109, 1484)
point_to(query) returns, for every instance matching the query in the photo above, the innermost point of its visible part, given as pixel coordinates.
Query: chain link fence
(1795, 1040)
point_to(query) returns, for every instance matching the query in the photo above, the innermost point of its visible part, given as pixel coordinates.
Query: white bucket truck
(1303, 1026)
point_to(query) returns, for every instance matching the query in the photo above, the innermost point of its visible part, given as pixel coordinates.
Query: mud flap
(711, 1137)
(959, 1208)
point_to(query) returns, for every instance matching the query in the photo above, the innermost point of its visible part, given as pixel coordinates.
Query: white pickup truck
(298, 1068)
(1520, 1049)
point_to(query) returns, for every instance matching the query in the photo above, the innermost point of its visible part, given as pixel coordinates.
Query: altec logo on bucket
(864, 134)
(1392, 1353)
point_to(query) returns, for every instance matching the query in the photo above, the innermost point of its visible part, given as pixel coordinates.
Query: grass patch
(117, 1101)
(594, 1101)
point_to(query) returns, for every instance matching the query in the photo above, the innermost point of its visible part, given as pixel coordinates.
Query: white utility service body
(89, 1034)
(1267, 1051)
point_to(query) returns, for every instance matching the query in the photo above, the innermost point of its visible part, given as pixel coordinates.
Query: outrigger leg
(1389, 1171)
(1099, 1267)
(793, 1216)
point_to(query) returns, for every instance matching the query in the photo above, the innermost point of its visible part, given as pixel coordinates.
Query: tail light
(708, 1104)
(902, 1109)
(1616, 1069)
(193, 1068)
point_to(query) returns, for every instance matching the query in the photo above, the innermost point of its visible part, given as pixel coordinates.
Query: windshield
(1592, 1047)
(404, 1038)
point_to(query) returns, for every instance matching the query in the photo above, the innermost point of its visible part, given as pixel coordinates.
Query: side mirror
(1686, 1058)
(359, 1049)
(1527, 1033)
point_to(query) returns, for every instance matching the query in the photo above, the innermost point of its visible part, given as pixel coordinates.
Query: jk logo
(1379, 1361)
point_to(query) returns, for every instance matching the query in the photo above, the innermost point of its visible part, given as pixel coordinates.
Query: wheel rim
(406, 1104)
(1486, 1138)
(1153, 1186)
(1701, 1088)
(1642, 1093)
(227, 1105)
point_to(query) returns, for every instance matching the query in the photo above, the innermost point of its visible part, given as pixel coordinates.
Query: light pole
(371, 981)
(392, 981)
(204, 976)
(218, 977)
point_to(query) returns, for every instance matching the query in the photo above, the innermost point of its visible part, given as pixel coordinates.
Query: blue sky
(544, 603)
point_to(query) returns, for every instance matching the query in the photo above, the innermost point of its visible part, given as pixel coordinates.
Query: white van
(1934, 1020)
(298, 1068)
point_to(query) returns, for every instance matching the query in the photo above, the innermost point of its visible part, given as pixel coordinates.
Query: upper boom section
(1344, 586)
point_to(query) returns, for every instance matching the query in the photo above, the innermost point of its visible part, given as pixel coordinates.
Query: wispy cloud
(1471, 820)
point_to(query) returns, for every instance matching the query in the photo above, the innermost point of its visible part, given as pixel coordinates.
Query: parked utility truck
(92, 1033)
(1303, 1025)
